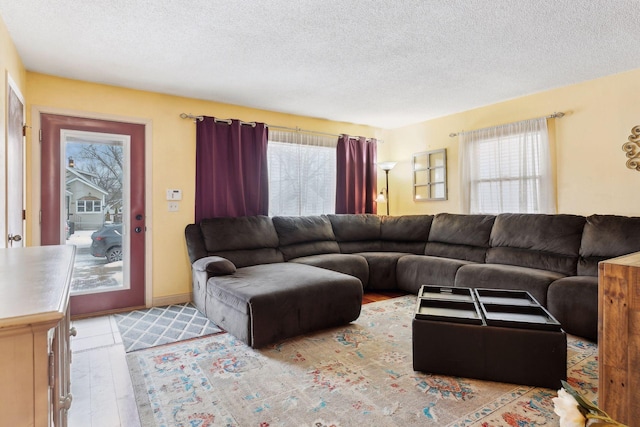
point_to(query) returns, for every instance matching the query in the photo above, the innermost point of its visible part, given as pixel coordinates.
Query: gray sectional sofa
(265, 279)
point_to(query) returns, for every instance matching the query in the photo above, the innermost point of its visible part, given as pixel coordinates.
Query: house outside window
(507, 169)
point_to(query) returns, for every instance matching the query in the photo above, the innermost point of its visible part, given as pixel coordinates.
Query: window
(302, 173)
(507, 169)
(89, 206)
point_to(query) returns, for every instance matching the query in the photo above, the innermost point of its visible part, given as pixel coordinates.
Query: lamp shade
(387, 166)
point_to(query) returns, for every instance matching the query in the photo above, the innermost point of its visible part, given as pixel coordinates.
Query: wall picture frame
(430, 175)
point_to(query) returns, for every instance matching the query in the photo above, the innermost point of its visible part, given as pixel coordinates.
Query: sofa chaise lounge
(266, 279)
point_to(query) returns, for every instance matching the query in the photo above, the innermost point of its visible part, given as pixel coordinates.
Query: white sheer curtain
(302, 173)
(507, 169)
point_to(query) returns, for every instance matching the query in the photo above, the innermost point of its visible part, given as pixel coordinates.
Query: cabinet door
(61, 390)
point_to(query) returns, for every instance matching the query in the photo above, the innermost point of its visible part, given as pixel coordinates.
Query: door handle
(14, 237)
(137, 229)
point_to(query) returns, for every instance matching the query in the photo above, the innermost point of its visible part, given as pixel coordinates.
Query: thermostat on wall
(174, 194)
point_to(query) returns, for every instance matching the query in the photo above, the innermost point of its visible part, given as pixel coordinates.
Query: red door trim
(51, 125)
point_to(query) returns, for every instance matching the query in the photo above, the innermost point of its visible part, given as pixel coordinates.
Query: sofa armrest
(214, 266)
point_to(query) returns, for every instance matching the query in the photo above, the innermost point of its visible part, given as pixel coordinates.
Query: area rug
(162, 325)
(359, 374)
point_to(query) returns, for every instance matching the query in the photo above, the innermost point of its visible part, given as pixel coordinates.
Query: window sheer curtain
(357, 182)
(302, 173)
(231, 169)
(507, 169)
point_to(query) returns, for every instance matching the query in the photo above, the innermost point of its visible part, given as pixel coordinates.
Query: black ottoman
(455, 336)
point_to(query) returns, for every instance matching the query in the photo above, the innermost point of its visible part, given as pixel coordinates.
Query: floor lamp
(384, 194)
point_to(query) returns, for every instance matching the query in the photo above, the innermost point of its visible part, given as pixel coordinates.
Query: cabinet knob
(73, 331)
(65, 402)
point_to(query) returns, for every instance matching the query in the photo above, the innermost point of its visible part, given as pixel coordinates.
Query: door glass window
(94, 208)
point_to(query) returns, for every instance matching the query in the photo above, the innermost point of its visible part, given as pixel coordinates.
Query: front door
(15, 168)
(93, 196)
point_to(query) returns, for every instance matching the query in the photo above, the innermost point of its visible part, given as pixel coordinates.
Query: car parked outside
(107, 242)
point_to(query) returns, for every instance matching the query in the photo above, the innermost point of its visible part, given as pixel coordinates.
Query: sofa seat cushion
(382, 268)
(353, 265)
(496, 276)
(413, 271)
(573, 301)
(266, 303)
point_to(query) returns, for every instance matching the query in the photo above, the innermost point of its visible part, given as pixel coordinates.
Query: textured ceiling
(384, 63)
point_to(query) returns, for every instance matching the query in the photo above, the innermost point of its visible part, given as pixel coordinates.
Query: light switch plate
(174, 194)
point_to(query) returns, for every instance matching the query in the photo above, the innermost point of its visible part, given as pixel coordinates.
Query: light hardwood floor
(100, 381)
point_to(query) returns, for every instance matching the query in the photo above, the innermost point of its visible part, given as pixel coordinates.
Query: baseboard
(171, 299)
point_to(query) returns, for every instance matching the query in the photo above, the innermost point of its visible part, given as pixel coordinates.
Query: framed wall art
(430, 175)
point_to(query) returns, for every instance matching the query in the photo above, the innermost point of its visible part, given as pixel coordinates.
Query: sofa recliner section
(382, 242)
(266, 303)
(573, 300)
(242, 282)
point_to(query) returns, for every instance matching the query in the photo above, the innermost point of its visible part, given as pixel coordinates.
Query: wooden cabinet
(619, 338)
(35, 355)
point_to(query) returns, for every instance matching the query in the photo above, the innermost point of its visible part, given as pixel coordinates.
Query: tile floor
(100, 382)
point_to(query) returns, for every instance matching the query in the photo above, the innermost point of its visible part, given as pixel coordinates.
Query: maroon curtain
(356, 184)
(231, 169)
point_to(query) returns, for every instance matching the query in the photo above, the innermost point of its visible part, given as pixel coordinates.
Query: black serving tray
(446, 293)
(519, 316)
(448, 311)
(507, 297)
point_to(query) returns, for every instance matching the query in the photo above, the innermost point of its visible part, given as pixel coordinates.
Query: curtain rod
(296, 129)
(557, 115)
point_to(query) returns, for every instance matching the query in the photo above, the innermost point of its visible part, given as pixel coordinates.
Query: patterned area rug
(162, 325)
(359, 374)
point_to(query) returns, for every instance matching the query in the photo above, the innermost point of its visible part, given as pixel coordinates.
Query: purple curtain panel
(231, 169)
(356, 183)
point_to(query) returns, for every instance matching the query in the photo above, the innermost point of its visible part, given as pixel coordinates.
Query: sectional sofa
(264, 279)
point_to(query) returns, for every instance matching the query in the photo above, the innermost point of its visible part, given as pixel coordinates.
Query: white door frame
(36, 162)
(11, 84)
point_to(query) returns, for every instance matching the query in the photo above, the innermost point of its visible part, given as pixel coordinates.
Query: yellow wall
(10, 62)
(172, 152)
(590, 164)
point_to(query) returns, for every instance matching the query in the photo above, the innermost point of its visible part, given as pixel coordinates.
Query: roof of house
(74, 175)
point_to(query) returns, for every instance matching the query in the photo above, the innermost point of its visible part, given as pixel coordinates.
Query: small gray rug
(162, 325)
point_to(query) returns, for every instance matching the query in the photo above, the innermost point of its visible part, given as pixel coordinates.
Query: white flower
(567, 408)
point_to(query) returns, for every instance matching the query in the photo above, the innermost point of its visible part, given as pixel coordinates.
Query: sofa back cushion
(607, 236)
(356, 232)
(305, 235)
(244, 241)
(546, 242)
(407, 233)
(464, 237)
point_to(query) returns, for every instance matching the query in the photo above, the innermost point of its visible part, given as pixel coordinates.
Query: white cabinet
(35, 355)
